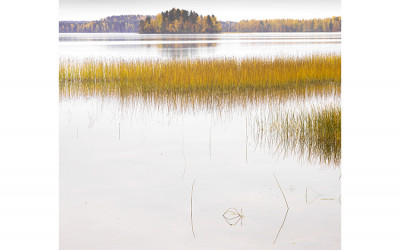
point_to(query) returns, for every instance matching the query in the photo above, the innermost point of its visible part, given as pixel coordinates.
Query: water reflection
(184, 50)
(314, 195)
(156, 46)
(305, 125)
(75, 37)
(287, 208)
(191, 208)
(232, 216)
(277, 121)
(128, 169)
(218, 103)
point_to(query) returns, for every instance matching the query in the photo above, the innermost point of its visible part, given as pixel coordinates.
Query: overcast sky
(225, 10)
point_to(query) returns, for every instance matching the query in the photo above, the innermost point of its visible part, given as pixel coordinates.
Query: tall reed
(124, 78)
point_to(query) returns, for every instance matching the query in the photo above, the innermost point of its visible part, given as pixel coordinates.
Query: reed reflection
(280, 122)
(232, 216)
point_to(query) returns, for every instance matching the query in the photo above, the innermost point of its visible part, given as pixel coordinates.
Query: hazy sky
(225, 10)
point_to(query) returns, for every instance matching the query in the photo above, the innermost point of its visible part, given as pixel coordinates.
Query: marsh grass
(280, 77)
(314, 135)
(220, 85)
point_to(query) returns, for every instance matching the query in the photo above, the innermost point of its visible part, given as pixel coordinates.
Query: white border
(29, 125)
(371, 127)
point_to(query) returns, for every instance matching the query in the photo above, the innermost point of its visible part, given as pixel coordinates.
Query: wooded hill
(180, 21)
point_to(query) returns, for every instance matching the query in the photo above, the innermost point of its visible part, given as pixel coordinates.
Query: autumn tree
(180, 21)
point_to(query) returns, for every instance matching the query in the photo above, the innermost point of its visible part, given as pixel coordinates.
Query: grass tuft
(314, 135)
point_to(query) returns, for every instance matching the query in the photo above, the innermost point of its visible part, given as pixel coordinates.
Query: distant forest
(124, 23)
(284, 25)
(183, 21)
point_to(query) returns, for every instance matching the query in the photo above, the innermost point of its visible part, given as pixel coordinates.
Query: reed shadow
(287, 210)
(232, 216)
(191, 209)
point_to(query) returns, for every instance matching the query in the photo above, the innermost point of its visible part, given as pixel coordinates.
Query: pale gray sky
(225, 10)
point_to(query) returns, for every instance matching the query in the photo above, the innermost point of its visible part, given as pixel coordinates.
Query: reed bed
(221, 85)
(317, 74)
(314, 135)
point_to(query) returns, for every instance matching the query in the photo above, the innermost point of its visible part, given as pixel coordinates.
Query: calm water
(126, 172)
(166, 46)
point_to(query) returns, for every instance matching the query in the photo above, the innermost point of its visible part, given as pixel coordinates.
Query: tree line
(123, 23)
(183, 21)
(180, 21)
(284, 25)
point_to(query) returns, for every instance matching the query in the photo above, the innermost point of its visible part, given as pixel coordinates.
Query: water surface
(126, 171)
(135, 46)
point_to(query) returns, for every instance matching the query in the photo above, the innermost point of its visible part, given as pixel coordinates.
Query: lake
(133, 46)
(184, 174)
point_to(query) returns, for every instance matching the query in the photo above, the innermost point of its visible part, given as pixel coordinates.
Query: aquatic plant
(314, 135)
(316, 74)
(222, 84)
